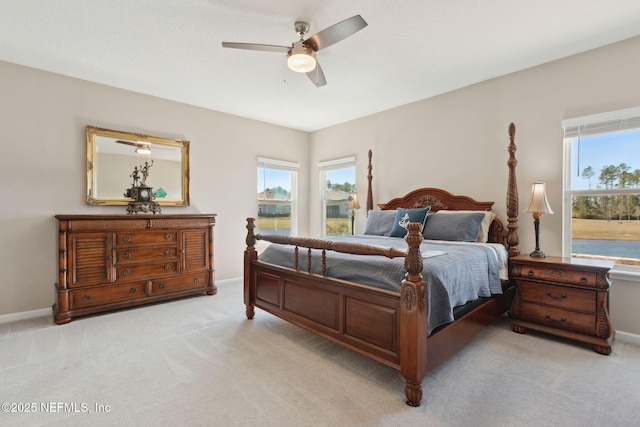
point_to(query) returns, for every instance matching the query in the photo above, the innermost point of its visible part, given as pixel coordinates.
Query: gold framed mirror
(113, 155)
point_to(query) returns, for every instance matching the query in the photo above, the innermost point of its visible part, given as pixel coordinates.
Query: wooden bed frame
(390, 327)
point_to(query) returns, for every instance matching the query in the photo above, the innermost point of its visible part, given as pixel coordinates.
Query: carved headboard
(436, 198)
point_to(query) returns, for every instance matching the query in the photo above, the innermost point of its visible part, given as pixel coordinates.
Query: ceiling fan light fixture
(301, 58)
(143, 150)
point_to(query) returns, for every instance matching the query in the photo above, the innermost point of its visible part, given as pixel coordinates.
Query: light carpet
(200, 362)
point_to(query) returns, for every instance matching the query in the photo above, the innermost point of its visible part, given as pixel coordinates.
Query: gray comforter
(455, 272)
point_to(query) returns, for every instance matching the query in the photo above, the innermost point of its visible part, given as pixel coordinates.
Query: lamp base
(538, 254)
(353, 218)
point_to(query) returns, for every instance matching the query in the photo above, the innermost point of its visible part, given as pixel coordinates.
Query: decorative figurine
(141, 194)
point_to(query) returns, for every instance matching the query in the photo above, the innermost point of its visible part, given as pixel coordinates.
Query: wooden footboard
(386, 326)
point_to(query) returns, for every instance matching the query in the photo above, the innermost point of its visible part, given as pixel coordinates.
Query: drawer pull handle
(196, 280)
(530, 273)
(126, 239)
(132, 290)
(167, 252)
(167, 267)
(86, 297)
(126, 272)
(549, 294)
(126, 255)
(161, 285)
(562, 319)
(167, 236)
(583, 280)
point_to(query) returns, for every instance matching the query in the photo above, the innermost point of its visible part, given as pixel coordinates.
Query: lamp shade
(353, 204)
(538, 202)
(301, 58)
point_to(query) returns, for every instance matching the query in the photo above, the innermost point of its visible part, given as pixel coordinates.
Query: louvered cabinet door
(90, 259)
(195, 250)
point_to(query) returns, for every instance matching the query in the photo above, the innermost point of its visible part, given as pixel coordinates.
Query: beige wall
(458, 141)
(42, 170)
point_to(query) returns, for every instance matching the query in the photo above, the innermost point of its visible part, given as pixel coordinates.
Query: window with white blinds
(601, 215)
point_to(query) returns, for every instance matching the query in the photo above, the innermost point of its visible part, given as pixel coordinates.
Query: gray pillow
(462, 227)
(380, 223)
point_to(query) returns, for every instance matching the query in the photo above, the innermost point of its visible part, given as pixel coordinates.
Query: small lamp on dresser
(538, 205)
(352, 206)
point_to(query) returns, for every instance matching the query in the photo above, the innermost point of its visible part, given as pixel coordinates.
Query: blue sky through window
(599, 151)
(273, 178)
(276, 177)
(342, 175)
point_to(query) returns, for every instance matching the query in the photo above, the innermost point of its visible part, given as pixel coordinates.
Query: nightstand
(567, 297)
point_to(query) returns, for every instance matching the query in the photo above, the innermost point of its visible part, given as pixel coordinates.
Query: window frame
(591, 125)
(323, 168)
(293, 167)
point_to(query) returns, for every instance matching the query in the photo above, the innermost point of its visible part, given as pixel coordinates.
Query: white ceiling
(411, 49)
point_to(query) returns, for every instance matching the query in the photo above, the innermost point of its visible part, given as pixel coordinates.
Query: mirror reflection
(114, 156)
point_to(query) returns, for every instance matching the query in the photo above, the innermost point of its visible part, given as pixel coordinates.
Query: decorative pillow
(405, 216)
(463, 227)
(379, 223)
(483, 234)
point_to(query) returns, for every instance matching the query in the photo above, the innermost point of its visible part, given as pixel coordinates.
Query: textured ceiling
(411, 49)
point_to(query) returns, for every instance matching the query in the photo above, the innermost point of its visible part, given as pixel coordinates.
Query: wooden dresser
(567, 297)
(114, 261)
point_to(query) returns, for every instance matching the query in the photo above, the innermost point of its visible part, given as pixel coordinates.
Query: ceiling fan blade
(335, 33)
(253, 46)
(133, 144)
(317, 76)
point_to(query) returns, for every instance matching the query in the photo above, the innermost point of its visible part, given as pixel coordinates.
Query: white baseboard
(225, 281)
(41, 312)
(25, 315)
(627, 337)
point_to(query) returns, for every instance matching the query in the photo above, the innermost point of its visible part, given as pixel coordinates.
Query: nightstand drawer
(559, 318)
(559, 296)
(559, 275)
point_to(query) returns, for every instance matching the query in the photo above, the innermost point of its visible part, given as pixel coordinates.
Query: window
(602, 187)
(337, 183)
(277, 187)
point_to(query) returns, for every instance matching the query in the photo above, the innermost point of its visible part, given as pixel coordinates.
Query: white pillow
(483, 232)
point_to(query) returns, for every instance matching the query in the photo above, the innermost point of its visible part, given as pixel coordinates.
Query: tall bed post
(369, 189)
(512, 196)
(413, 319)
(250, 255)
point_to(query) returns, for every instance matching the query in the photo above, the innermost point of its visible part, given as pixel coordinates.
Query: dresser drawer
(101, 295)
(133, 255)
(126, 238)
(540, 272)
(558, 318)
(181, 283)
(558, 296)
(138, 271)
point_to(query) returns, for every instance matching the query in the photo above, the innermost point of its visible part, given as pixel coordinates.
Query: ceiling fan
(142, 147)
(301, 55)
